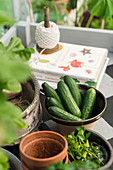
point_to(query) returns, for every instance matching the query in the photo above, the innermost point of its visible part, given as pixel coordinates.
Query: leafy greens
(79, 147)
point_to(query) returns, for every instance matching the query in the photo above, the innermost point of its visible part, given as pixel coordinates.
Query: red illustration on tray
(89, 71)
(65, 68)
(76, 63)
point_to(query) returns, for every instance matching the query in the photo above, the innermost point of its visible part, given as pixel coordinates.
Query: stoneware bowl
(14, 162)
(105, 146)
(39, 149)
(65, 126)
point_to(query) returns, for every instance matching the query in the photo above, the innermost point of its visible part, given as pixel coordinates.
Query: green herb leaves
(79, 147)
(75, 165)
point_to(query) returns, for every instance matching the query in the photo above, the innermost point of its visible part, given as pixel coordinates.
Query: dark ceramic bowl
(105, 146)
(15, 163)
(98, 111)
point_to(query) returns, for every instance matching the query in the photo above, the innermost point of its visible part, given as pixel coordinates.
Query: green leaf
(101, 8)
(72, 4)
(9, 110)
(24, 54)
(61, 78)
(85, 154)
(13, 86)
(81, 137)
(87, 143)
(2, 96)
(8, 130)
(17, 49)
(14, 44)
(4, 17)
(43, 61)
(91, 83)
(76, 80)
(88, 134)
(78, 157)
(10, 69)
(20, 123)
(10, 121)
(4, 164)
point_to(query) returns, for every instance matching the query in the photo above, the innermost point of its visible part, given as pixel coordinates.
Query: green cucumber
(60, 113)
(50, 92)
(67, 99)
(88, 103)
(54, 102)
(73, 89)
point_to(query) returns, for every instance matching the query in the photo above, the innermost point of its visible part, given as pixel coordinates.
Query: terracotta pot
(39, 149)
(66, 127)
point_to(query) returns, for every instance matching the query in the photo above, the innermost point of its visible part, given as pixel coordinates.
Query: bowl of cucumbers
(72, 104)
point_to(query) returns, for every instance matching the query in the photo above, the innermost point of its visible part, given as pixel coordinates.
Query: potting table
(82, 36)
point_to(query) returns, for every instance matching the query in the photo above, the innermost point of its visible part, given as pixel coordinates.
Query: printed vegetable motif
(65, 68)
(76, 63)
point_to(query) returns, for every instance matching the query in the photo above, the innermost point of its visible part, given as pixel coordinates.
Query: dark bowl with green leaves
(67, 126)
(96, 139)
(89, 145)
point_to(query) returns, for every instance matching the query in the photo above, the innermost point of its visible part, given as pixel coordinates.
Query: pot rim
(59, 155)
(78, 123)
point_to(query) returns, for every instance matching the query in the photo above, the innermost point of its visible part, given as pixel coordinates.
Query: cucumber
(50, 92)
(67, 99)
(54, 102)
(60, 113)
(88, 103)
(73, 89)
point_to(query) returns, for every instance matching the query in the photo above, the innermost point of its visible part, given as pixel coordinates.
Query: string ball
(47, 38)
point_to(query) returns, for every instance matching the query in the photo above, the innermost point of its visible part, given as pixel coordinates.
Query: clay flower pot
(39, 149)
(66, 127)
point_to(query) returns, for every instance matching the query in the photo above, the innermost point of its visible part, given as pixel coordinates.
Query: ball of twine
(47, 38)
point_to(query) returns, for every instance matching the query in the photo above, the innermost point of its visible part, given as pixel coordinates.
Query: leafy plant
(75, 165)
(93, 13)
(102, 9)
(13, 71)
(79, 147)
